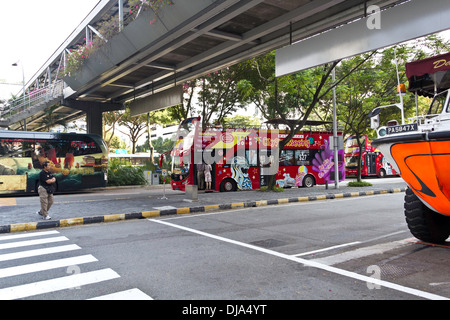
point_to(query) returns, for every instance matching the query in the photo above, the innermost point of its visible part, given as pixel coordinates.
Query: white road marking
(37, 252)
(327, 249)
(41, 287)
(46, 265)
(46, 286)
(312, 264)
(31, 242)
(27, 235)
(361, 252)
(132, 294)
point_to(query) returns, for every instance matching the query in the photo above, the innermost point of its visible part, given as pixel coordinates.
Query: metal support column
(120, 15)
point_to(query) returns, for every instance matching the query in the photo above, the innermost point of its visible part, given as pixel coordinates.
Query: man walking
(47, 186)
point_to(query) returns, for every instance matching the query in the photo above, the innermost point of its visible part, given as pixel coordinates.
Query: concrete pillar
(94, 111)
(94, 121)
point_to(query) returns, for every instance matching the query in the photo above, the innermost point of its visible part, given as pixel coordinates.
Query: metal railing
(32, 99)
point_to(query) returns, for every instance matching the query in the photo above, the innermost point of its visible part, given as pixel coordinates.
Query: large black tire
(424, 223)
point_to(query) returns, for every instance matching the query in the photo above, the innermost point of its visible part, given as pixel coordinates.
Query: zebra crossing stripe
(31, 242)
(37, 252)
(72, 281)
(132, 294)
(57, 284)
(46, 265)
(28, 235)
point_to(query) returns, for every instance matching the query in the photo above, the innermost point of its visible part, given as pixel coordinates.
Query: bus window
(11, 149)
(265, 158)
(251, 158)
(302, 157)
(287, 158)
(305, 157)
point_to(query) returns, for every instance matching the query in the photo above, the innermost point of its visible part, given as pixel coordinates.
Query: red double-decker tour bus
(373, 163)
(244, 159)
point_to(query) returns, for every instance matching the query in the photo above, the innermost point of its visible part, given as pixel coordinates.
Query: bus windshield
(351, 146)
(351, 162)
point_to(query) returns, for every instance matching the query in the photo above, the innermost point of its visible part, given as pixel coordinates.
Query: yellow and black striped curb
(19, 227)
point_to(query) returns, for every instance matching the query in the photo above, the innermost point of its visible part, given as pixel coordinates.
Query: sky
(30, 32)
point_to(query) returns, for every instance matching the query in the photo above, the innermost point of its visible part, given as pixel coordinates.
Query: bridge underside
(189, 39)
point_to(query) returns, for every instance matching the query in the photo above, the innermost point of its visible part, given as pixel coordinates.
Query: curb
(21, 227)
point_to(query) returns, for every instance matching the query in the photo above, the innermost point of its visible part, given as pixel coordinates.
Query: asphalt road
(22, 209)
(356, 248)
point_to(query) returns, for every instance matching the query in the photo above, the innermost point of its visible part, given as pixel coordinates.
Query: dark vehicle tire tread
(424, 223)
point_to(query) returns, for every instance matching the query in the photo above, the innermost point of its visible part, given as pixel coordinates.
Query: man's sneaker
(39, 213)
(46, 218)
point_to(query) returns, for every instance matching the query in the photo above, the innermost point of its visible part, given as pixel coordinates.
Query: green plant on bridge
(76, 58)
(108, 28)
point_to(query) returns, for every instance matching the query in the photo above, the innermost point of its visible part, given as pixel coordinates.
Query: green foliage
(275, 189)
(239, 121)
(121, 173)
(108, 28)
(163, 145)
(359, 184)
(76, 57)
(218, 95)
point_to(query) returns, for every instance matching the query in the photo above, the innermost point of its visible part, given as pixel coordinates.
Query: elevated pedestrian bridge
(142, 52)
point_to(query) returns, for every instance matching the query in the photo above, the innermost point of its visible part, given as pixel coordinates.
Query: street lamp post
(15, 64)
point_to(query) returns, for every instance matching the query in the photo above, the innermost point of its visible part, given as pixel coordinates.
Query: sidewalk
(177, 203)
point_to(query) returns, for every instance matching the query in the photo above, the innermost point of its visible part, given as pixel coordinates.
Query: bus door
(371, 163)
(253, 168)
(265, 161)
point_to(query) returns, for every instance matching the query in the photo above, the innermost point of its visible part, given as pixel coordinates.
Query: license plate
(402, 128)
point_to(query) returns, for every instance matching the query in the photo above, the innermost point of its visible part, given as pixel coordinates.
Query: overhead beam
(248, 38)
(89, 105)
(395, 25)
(219, 13)
(168, 98)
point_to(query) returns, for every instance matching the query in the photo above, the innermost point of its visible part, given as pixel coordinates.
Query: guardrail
(32, 99)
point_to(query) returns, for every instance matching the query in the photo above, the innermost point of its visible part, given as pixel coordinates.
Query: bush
(121, 173)
(359, 184)
(275, 189)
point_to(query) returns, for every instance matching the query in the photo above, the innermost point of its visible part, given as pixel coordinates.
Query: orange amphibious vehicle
(420, 151)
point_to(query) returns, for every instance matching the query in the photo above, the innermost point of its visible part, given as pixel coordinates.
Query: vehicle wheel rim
(228, 186)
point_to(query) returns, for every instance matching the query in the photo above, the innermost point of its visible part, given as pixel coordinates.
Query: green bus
(78, 161)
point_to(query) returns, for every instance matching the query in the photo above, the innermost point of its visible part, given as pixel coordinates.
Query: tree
(218, 94)
(110, 119)
(291, 98)
(136, 126)
(163, 145)
(374, 84)
(241, 121)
